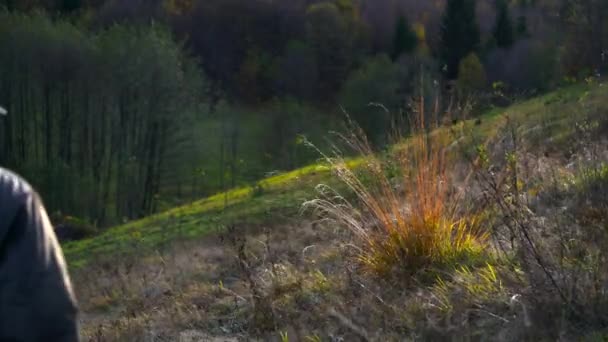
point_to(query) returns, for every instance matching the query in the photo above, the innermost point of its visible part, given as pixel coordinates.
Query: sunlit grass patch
(473, 287)
(185, 223)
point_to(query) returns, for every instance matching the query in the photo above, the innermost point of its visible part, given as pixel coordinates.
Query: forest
(117, 115)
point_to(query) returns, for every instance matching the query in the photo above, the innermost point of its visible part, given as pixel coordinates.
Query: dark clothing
(36, 299)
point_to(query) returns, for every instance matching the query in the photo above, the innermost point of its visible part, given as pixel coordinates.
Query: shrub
(471, 74)
(69, 228)
(413, 225)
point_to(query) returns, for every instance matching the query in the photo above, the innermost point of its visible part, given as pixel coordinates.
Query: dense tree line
(247, 48)
(90, 115)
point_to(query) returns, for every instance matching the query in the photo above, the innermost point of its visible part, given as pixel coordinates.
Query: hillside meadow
(261, 263)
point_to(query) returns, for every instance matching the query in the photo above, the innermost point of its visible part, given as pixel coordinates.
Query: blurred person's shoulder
(14, 192)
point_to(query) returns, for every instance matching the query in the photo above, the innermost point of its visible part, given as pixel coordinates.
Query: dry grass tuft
(405, 215)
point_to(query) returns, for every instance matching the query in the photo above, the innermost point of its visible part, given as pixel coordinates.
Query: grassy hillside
(284, 193)
(249, 264)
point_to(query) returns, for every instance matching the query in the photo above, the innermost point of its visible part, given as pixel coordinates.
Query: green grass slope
(283, 194)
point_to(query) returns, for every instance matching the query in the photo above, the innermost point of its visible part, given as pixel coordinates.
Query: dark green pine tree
(459, 34)
(522, 27)
(70, 5)
(8, 4)
(404, 39)
(503, 28)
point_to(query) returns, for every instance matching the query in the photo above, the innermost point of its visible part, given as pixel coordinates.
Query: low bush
(69, 228)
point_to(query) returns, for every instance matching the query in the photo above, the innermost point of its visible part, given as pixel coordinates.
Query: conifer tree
(503, 28)
(70, 5)
(404, 39)
(459, 34)
(522, 27)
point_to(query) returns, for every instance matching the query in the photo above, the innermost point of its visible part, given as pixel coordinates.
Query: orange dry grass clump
(407, 222)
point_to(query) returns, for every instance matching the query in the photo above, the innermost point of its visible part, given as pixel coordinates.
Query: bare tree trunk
(48, 127)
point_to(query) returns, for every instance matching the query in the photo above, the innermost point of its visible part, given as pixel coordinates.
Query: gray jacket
(36, 298)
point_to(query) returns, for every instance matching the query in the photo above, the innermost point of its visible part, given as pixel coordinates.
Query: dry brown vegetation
(408, 218)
